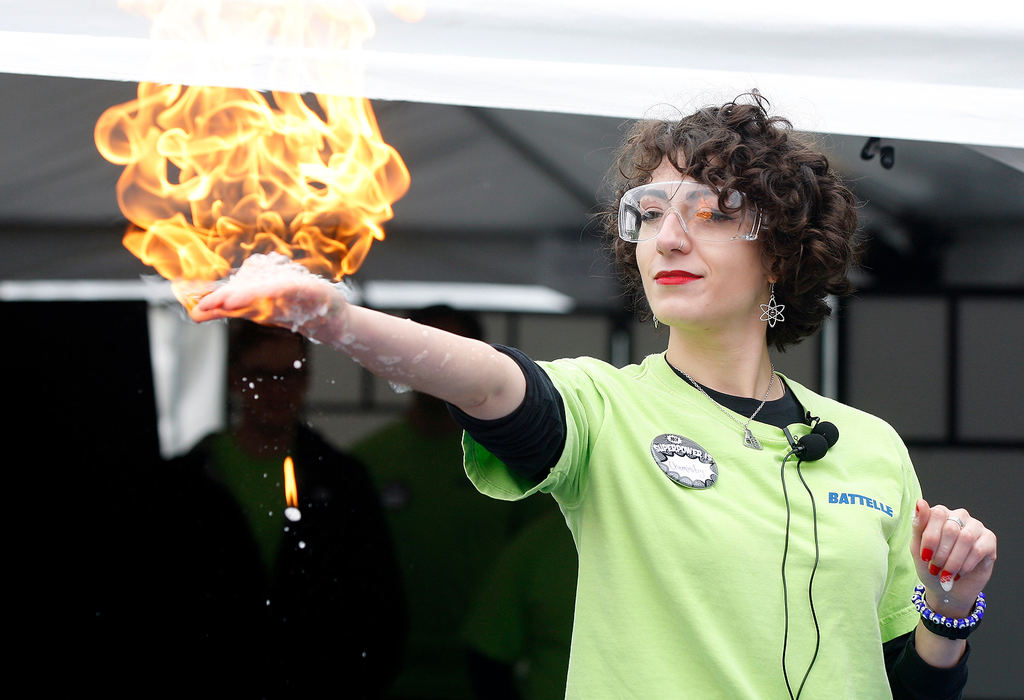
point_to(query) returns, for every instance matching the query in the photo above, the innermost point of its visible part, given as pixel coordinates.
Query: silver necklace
(748, 437)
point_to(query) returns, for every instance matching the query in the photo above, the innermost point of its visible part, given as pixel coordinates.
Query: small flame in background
(215, 174)
(291, 492)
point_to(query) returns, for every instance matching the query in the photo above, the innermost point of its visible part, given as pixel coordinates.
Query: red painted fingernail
(933, 570)
(926, 554)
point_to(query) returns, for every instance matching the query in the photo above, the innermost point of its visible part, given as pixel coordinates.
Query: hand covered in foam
(273, 290)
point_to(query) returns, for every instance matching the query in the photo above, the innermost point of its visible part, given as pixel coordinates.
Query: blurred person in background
(446, 536)
(519, 625)
(304, 608)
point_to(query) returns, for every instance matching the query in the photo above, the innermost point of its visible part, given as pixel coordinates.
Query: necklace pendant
(750, 441)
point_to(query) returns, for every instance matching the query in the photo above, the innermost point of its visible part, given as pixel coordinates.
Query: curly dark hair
(808, 216)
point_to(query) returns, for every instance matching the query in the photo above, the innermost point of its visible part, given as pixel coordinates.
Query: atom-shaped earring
(772, 311)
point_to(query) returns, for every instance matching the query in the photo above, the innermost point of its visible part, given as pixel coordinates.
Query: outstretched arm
(470, 374)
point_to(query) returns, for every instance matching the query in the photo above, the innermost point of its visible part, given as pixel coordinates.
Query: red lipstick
(675, 277)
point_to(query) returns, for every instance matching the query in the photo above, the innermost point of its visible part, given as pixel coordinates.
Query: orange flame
(291, 492)
(213, 175)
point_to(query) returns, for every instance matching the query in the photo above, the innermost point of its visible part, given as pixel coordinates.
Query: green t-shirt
(523, 613)
(258, 485)
(445, 537)
(680, 590)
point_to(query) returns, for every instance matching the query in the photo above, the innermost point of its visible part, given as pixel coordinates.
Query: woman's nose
(673, 234)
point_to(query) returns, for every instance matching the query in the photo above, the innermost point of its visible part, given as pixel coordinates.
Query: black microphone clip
(815, 444)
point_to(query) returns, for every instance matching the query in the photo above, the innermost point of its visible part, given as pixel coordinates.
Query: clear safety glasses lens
(644, 210)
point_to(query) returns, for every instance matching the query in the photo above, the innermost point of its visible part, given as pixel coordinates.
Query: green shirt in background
(523, 614)
(257, 483)
(446, 537)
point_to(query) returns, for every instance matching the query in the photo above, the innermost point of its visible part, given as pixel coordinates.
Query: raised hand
(954, 553)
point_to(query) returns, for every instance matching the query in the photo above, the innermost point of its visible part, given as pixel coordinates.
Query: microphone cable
(810, 583)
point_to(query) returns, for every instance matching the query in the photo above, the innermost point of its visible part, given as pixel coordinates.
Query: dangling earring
(655, 320)
(772, 311)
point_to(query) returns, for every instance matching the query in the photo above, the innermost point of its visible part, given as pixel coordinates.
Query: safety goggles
(644, 210)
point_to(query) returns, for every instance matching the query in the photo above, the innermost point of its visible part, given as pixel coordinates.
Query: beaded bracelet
(949, 627)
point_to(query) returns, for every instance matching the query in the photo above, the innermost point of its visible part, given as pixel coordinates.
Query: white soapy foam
(399, 388)
(259, 268)
(420, 357)
(388, 360)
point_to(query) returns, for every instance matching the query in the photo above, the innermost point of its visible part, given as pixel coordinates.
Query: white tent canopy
(911, 70)
(506, 113)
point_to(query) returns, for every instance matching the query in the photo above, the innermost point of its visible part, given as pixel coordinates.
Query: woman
(716, 559)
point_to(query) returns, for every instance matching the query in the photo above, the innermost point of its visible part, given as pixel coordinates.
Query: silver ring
(958, 521)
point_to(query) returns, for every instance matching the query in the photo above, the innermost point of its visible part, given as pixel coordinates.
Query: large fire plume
(213, 175)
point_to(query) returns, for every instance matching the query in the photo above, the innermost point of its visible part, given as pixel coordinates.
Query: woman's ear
(770, 264)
